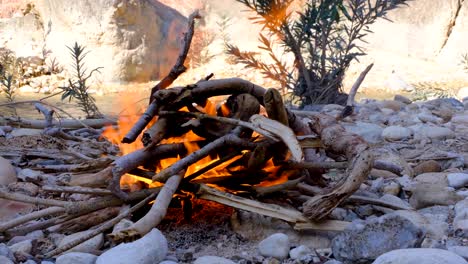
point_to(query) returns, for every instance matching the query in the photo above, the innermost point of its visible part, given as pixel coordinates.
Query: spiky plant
(78, 89)
(324, 38)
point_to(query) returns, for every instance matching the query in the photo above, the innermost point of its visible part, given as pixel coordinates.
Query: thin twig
(94, 232)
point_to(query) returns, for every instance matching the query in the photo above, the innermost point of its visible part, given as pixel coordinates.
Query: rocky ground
(426, 145)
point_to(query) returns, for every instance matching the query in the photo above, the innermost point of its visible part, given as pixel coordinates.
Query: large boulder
(132, 40)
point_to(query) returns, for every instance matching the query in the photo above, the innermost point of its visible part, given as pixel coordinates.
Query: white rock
(19, 132)
(151, 248)
(23, 246)
(5, 260)
(213, 260)
(7, 172)
(275, 246)
(460, 119)
(372, 133)
(460, 251)
(457, 180)
(333, 261)
(76, 258)
(168, 262)
(429, 118)
(89, 246)
(396, 133)
(419, 256)
(439, 133)
(299, 252)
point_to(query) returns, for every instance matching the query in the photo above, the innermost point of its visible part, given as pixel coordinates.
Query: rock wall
(137, 40)
(132, 40)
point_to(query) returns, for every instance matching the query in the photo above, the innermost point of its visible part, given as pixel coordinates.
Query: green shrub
(78, 89)
(324, 38)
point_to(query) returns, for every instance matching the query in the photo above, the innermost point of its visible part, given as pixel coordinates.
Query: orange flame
(190, 139)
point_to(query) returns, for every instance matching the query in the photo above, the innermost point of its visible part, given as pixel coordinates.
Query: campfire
(229, 141)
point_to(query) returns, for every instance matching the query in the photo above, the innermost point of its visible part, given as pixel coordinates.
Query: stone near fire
(420, 256)
(437, 178)
(402, 99)
(275, 246)
(457, 180)
(425, 195)
(213, 260)
(427, 166)
(300, 252)
(7, 172)
(6, 251)
(461, 251)
(396, 133)
(366, 240)
(89, 246)
(5, 260)
(152, 248)
(76, 258)
(23, 247)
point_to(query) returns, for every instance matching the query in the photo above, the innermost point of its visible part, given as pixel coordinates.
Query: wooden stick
(31, 200)
(317, 165)
(321, 205)
(64, 123)
(155, 215)
(272, 210)
(179, 67)
(76, 189)
(48, 114)
(176, 70)
(261, 191)
(375, 201)
(31, 216)
(182, 164)
(107, 225)
(349, 108)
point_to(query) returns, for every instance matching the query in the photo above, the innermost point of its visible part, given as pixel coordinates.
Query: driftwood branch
(107, 225)
(349, 108)
(176, 70)
(155, 215)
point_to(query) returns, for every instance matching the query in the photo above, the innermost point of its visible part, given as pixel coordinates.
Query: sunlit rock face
(132, 40)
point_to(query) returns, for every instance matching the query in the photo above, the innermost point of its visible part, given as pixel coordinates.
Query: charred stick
(132, 160)
(182, 164)
(156, 132)
(274, 105)
(142, 122)
(261, 191)
(107, 225)
(210, 166)
(226, 120)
